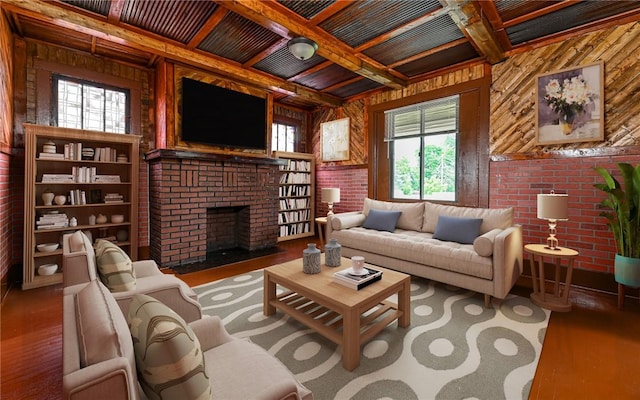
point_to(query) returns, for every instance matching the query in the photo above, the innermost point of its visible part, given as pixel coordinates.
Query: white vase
(60, 199)
(47, 198)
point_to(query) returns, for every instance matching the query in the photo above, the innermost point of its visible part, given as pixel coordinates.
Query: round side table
(558, 300)
(322, 223)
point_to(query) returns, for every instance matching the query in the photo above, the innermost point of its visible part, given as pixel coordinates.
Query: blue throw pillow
(454, 229)
(382, 220)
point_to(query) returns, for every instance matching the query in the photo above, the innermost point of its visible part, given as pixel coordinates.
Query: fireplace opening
(227, 229)
(228, 240)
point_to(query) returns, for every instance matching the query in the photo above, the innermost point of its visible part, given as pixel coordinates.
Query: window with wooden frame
(87, 105)
(285, 134)
(469, 138)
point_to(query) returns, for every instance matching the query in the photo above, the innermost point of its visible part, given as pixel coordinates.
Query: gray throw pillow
(454, 229)
(382, 220)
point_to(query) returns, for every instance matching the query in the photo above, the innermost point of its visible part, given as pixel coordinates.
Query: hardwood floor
(592, 352)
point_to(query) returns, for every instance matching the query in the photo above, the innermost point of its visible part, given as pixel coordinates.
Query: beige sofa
(99, 361)
(490, 265)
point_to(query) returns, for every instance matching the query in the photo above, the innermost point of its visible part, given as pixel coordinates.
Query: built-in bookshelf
(296, 196)
(77, 179)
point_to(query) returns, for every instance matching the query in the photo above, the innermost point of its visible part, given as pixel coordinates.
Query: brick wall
(516, 183)
(5, 217)
(182, 189)
(353, 184)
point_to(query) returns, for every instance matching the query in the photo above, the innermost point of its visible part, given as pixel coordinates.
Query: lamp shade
(302, 48)
(553, 206)
(330, 195)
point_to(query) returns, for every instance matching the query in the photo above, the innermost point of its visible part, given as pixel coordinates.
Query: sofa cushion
(483, 244)
(168, 356)
(492, 218)
(347, 220)
(381, 220)
(454, 229)
(102, 329)
(410, 219)
(115, 267)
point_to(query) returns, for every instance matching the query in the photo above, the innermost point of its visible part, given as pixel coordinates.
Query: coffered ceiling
(363, 45)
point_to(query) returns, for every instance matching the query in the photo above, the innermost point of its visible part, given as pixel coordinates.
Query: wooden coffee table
(336, 311)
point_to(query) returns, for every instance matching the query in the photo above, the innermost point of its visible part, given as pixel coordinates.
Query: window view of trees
(423, 150)
(438, 173)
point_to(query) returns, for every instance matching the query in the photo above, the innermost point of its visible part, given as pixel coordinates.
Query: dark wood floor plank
(591, 352)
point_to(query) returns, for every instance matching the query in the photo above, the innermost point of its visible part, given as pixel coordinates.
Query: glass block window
(86, 105)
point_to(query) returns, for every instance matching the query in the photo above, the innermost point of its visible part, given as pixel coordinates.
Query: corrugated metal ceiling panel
(237, 38)
(283, 64)
(439, 31)
(365, 20)
(510, 9)
(355, 88)
(567, 18)
(175, 19)
(454, 55)
(306, 8)
(326, 77)
(97, 6)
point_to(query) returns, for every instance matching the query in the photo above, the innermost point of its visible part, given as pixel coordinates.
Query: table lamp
(553, 207)
(330, 196)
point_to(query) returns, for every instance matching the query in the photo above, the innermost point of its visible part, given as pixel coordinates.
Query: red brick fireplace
(201, 202)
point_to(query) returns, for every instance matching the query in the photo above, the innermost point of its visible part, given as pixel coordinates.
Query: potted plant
(624, 220)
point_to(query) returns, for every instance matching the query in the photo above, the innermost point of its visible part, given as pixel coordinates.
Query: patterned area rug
(454, 348)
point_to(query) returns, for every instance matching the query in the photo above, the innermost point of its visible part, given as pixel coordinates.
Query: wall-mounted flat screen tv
(217, 116)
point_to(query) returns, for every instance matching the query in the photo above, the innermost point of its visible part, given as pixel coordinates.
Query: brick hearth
(186, 189)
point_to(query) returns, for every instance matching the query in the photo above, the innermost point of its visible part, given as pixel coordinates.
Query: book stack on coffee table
(348, 278)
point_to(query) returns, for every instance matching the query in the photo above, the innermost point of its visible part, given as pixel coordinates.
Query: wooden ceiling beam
(489, 9)
(115, 11)
(57, 16)
(266, 52)
(466, 14)
(330, 11)
(539, 13)
(270, 14)
(208, 26)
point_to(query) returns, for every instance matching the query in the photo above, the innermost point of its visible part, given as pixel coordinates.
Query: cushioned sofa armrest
(344, 221)
(146, 268)
(210, 332)
(507, 260)
(106, 380)
(76, 268)
(167, 289)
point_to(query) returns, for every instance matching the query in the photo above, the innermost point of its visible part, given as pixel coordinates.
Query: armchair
(80, 267)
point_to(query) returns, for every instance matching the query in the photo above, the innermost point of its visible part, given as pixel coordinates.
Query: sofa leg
(487, 301)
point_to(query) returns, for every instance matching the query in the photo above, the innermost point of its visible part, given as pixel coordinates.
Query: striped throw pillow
(169, 359)
(114, 267)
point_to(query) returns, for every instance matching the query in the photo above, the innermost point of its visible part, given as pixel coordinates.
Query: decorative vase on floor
(311, 259)
(333, 253)
(566, 122)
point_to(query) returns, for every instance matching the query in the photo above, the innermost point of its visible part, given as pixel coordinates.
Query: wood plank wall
(513, 90)
(6, 87)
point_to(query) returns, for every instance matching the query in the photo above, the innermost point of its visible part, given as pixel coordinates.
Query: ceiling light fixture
(302, 48)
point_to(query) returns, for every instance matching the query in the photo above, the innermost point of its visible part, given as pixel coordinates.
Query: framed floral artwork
(570, 105)
(335, 140)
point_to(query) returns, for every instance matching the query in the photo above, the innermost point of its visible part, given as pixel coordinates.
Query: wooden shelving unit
(95, 190)
(297, 196)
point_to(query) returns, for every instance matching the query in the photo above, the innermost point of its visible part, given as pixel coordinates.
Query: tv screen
(217, 116)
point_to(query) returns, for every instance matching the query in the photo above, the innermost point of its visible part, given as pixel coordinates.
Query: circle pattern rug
(455, 348)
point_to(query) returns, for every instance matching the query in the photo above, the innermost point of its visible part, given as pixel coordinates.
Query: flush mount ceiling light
(302, 48)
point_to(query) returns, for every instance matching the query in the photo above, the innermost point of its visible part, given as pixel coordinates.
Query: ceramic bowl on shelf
(47, 269)
(117, 218)
(47, 247)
